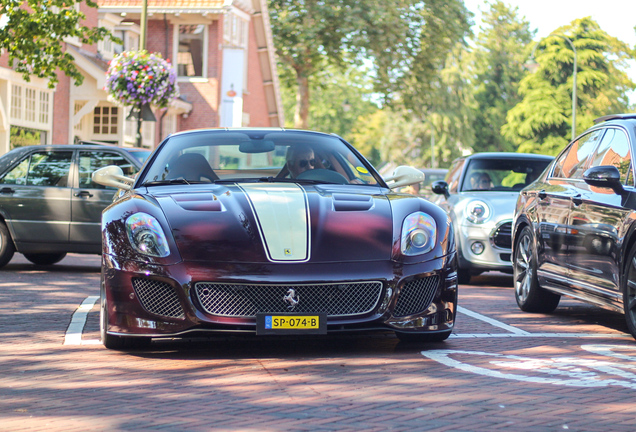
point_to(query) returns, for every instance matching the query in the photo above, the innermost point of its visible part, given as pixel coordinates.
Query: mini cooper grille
(158, 298)
(416, 296)
(237, 300)
(502, 237)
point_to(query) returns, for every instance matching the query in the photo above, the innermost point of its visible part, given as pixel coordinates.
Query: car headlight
(477, 211)
(146, 235)
(419, 234)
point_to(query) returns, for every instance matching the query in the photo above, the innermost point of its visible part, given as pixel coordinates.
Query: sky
(616, 17)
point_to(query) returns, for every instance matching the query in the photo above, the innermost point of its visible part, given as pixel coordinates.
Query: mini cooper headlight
(146, 236)
(419, 234)
(477, 211)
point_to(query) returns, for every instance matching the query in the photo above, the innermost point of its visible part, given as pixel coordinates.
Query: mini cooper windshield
(218, 156)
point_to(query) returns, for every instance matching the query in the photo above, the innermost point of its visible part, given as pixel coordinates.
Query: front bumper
(496, 240)
(170, 306)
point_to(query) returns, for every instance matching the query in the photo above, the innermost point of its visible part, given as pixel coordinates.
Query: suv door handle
(577, 199)
(542, 194)
(83, 194)
(7, 190)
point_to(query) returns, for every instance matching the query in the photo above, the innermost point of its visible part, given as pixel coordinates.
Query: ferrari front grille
(416, 296)
(158, 298)
(246, 300)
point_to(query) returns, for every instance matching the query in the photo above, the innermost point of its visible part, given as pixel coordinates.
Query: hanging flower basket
(138, 78)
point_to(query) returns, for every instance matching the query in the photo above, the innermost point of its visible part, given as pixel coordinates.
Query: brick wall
(254, 102)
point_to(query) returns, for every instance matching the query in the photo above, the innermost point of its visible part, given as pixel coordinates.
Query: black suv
(49, 205)
(574, 228)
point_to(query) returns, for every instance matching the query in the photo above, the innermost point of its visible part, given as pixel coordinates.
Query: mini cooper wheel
(528, 293)
(7, 249)
(629, 292)
(45, 258)
(423, 337)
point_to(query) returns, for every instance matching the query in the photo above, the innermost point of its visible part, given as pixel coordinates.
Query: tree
(404, 41)
(501, 51)
(541, 122)
(31, 32)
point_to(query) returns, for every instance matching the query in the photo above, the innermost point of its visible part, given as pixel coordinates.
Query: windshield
(257, 155)
(502, 174)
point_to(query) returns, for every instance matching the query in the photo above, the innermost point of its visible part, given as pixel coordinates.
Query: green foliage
(541, 122)
(501, 51)
(32, 31)
(21, 137)
(405, 41)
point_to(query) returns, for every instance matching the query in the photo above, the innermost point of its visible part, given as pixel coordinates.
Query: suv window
(574, 160)
(90, 161)
(614, 150)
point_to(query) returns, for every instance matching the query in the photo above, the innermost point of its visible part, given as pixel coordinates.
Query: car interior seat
(193, 167)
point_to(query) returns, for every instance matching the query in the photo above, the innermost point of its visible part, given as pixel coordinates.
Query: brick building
(222, 51)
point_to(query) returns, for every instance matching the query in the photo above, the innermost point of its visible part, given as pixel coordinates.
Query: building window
(16, 102)
(44, 107)
(191, 52)
(105, 120)
(235, 31)
(29, 104)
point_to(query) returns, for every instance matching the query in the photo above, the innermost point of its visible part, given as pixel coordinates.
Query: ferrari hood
(280, 222)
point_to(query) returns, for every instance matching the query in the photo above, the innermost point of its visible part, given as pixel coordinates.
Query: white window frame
(31, 107)
(175, 52)
(109, 135)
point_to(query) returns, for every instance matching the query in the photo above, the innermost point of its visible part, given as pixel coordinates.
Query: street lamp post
(573, 79)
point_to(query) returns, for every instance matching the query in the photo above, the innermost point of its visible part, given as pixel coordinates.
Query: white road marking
(565, 371)
(492, 322)
(76, 327)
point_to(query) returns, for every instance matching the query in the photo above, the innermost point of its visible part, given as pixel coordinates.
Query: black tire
(528, 293)
(463, 276)
(7, 248)
(629, 291)
(423, 337)
(45, 258)
(115, 342)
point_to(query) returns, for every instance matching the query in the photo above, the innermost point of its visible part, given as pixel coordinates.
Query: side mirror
(440, 187)
(112, 176)
(404, 176)
(606, 176)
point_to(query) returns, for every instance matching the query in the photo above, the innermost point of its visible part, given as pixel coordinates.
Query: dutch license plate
(291, 323)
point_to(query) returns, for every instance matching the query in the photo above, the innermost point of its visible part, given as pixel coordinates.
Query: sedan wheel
(45, 258)
(7, 249)
(528, 293)
(629, 292)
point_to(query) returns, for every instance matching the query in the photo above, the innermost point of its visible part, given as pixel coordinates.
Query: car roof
(508, 155)
(626, 116)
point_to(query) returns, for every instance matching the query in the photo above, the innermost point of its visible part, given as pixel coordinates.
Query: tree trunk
(301, 118)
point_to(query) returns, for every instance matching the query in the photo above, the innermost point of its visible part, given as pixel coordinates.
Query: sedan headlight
(146, 235)
(477, 211)
(419, 234)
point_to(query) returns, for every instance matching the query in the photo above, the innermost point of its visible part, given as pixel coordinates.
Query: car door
(597, 216)
(36, 200)
(555, 200)
(89, 198)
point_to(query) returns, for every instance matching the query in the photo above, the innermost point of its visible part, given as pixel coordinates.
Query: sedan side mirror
(112, 176)
(604, 176)
(404, 176)
(440, 187)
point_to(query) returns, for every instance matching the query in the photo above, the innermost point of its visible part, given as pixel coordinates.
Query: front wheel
(7, 249)
(528, 293)
(629, 292)
(45, 258)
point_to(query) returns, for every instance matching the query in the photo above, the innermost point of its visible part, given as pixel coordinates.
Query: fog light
(477, 248)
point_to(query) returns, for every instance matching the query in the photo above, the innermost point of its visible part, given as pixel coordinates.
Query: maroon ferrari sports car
(271, 231)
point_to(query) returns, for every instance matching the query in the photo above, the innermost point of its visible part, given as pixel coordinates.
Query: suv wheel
(629, 292)
(528, 293)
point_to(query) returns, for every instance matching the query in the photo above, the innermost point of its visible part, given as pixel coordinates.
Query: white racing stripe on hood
(283, 219)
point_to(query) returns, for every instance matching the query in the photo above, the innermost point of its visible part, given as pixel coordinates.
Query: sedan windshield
(257, 156)
(502, 174)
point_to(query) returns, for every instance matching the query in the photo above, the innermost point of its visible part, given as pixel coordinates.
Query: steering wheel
(321, 174)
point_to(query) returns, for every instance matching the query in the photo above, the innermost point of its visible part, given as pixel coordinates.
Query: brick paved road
(537, 374)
